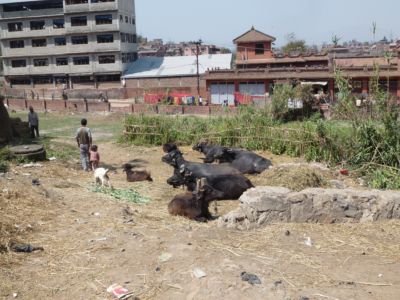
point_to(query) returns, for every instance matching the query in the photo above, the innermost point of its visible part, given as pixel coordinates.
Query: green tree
(294, 44)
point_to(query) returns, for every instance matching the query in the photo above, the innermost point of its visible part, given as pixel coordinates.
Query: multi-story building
(66, 42)
(259, 68)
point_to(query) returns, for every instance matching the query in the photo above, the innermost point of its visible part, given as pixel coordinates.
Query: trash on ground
(35, 182)
(250, 278)
(15, 295)
(308, 242)
(25, 248)
(98, 240)
(164, 257)
(344, 172)
(198, 273)
(119, 292)
(26, 174)
(32, 165)
(96, 214)
(52, 158)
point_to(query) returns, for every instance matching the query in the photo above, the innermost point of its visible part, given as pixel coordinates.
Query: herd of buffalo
(207, 182)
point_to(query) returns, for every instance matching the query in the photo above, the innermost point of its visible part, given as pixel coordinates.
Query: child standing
(94, 157)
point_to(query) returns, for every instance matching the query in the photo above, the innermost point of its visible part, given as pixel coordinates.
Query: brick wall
(145, 109)
(98, 107)
(16, 104)
(38, 105)
(170, 110)
(56, 105)
(196, 110)
(128, 109)
(78, 106)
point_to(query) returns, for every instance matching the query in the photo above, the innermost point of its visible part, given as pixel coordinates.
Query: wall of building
(247, 51)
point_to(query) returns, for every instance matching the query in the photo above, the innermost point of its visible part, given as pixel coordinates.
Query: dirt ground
(92, 241)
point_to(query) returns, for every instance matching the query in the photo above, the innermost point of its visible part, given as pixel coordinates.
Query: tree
(294, 44)
(336, 40)
(225, 50)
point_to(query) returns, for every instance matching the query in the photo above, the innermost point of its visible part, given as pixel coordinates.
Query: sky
(220, 21)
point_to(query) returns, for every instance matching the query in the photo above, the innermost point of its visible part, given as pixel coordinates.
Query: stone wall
(264, 205)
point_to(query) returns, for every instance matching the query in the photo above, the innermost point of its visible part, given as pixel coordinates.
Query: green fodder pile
(128, 195)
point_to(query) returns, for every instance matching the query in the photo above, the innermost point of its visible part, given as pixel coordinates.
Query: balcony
(92, 47)
(32, 13)
(28, 33)
(92, 28)
(90, 7)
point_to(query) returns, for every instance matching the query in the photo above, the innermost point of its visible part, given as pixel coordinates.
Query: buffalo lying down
(222, 178)
(194, 205)
(246, 162)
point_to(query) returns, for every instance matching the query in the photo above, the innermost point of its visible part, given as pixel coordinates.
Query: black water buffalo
(245, 161)
(222, 178)
(194, 205)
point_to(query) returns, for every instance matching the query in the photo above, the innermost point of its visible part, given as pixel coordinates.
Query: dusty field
(91, 242)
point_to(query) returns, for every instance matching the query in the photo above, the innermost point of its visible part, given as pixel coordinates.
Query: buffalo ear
(229, 150)
(182, 169)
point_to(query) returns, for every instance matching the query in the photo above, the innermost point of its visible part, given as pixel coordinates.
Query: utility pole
(198, 44)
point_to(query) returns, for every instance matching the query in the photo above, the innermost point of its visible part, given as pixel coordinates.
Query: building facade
(66, 43)
(258, 69)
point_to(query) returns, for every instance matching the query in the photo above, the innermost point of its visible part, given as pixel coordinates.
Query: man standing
(84, 140)
(33, 122)
(200, 101)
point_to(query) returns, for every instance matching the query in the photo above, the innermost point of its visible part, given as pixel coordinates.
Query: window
(58, 23)
(72, 2)
(41, 62)
(39, 43)
(104, 19)
(19, 63)
(101, 1)
(84, 60)
(107, 59)
(17, 44)
(105, 38)
(133, 21)
(12, 27)
(126, 19)
(60, 41)
(79, 40)
(260, 48)
(61, 61)
(37, 25)
(79, 21)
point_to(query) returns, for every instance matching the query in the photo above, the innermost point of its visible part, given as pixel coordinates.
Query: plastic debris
(98, 240)
(308, 242)
(25, 248)
(250, 278)
(15, 295)
(32, 165)
(52, 158)
(119, 292)
(35, 182)
(164, 257)
(198, 273)
(344, 172)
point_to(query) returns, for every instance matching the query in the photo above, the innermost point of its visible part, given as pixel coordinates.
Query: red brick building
(258, 69)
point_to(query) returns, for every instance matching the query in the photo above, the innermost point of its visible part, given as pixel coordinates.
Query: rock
(265, 205)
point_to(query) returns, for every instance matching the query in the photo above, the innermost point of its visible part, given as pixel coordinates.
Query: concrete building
(66, 43)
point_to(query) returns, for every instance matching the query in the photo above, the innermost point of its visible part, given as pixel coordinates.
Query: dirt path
(92, 241)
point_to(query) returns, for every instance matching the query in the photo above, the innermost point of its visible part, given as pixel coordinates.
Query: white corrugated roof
(146, 67)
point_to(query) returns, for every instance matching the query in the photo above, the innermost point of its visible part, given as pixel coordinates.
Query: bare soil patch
(92, 241)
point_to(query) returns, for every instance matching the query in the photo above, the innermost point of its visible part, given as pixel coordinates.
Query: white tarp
(323, 83)
(147, 67)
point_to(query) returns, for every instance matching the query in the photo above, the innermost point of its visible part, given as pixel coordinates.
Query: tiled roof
(254, 35)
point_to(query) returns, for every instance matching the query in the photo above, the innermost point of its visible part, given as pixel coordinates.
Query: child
(94, 157)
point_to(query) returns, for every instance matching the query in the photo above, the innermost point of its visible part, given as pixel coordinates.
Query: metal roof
(150, 67)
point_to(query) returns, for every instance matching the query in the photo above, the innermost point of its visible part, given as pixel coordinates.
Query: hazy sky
(220, 21)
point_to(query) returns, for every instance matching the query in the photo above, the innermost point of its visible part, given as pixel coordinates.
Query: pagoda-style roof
(252, 36)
